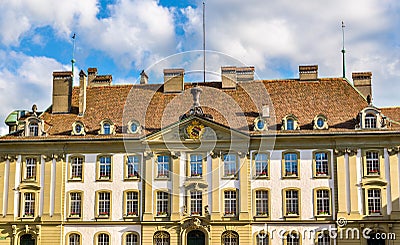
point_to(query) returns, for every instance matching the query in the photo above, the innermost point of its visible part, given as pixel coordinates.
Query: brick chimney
(62, 91)
(173, 80)
(245, 74)
(144, 79)
(228, 76)
(362, 82)
(82, 92)
(308, 72)
(95, 80)
(92, 73)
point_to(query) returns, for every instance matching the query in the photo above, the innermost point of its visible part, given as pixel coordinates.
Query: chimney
(95, 80)
(62, 91)
(144, 79)
(245, 74)
(265, 111)
(173, 80)
(362, 82)
(92, 73)
(308, 72)
(228, 76)
(82, 92)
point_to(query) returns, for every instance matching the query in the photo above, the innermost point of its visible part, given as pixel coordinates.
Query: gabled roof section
(235, 109)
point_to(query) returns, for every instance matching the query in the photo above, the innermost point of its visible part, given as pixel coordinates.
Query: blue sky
(122, 37)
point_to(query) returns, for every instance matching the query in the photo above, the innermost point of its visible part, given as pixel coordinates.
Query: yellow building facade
(238, 161)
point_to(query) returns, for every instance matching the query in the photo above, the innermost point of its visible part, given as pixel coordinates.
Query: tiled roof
(237, 108)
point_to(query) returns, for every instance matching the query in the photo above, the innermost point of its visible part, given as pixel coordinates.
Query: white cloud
(26, 81)
(280, 35)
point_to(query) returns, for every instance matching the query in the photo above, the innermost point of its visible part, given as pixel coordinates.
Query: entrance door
(27, 240)
(196, 237)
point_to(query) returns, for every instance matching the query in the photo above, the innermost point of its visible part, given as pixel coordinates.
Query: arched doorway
(196, 237)
(27, 239)
(375, 239)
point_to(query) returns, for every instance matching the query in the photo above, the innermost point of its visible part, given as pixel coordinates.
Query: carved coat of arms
(195, 130)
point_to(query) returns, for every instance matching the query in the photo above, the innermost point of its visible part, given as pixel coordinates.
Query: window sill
(372, 175)
(375, 215)
(27, 218)
(131, 218)
(290, 177)
(261, 177)
(322, 176)
(195, 177)
(161, 178)
(74, 216)
(104, 179)
(261, 217)
(292, 216)
(75, 180)
(132, 178)
(103, 216)
(29, 181)
(230, 177)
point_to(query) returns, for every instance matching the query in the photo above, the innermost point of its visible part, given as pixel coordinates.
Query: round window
(320, 122)
(260, 124)
(78, 128)
(133, 127)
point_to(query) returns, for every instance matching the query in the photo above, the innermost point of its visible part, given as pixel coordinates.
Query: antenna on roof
(343, 52)
(73, 53)
(204, 43)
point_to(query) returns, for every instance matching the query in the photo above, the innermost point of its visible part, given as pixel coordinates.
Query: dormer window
(370, 121)
(133, 127)
(320, 122)
(78, 128)
(260, 124)
(33, 129)
(371, 118)
(290, 122)
(107, 127)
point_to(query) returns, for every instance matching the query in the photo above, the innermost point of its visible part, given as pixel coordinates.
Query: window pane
(372, 163)
(76, 167)
(103, 239)
(229, 165)
(261, 162)
(196, 202)
(163, 166)
(29, 205)
(230, 203)
(291, 164)
(292, 202)
(30, 171)
(162, 203)
(133, 166)
(323, 202)
(374, 201)
(75, 204)
(262, 203)
(132, 203)
(321, 164)
(104, 203)
(196, 168)
(105, 167)
(74, 239)
(131, 239)
(290, 124)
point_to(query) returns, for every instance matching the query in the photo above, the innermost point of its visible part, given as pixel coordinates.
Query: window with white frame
(106, 128)
(131, 239)
(230, 238)
(196, 165)
(74, 239)
(321, 164)
(261, 164)
(75, 204)
(291, 165)
(196, 202)
(323, 202)
(163, 166)
(76, 167)
(33, 129)
(104, 202)
(261, 202)
(132, 203)
(230, 202)
(292, 239)
(230, 165)
(103, 239)
(289, 124)
(161, 238)
(29, 204)
(324, 239)
(374, 201)
(372, 163)
(162, 203)
(133, 166)
(292, 202)
(262, 238)
(30, 168)
(370, 121)
(105, 167)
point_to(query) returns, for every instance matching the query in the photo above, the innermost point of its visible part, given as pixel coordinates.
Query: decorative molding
(342, 151)
(148, 154)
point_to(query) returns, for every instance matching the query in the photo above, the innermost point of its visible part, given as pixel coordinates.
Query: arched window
(161, 238)
(370, 121)
(74, 239)
(292, 239)
(262, 238)
(106, 128)
(131, 239)
(33, 129)
(230, 238)
(103, 239)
